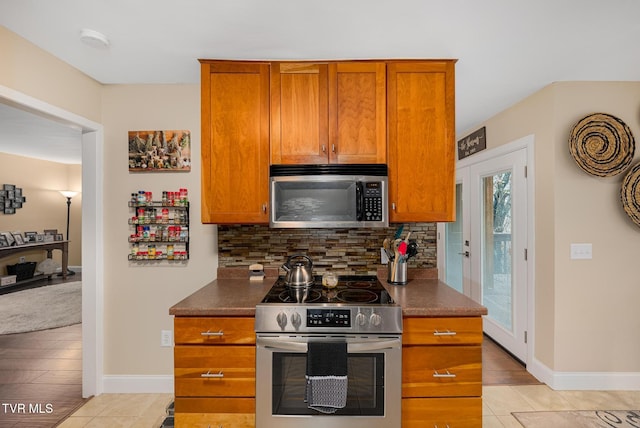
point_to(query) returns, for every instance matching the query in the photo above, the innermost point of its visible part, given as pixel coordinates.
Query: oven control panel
(328, 317)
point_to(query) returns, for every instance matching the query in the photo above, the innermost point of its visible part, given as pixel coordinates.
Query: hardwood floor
(501, 368)
(41, 374)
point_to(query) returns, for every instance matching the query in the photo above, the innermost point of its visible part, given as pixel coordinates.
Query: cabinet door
(215, 371)
(441, 371)
(299, 113)
(442, 412)
(420, 109)
(235, 142)
(357, 112)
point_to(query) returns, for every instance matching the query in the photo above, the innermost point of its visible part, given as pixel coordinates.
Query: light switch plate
(581, 251)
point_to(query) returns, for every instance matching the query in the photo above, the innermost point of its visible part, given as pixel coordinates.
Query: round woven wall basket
(630, 194)
(602, 145)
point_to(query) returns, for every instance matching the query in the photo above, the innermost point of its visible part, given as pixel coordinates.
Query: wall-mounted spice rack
(159, 229)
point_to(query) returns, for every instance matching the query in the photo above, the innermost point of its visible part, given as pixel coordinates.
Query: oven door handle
(374, 345)
(368, 346)
(283, 344)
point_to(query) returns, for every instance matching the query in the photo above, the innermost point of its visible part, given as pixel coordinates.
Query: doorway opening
(92, 232)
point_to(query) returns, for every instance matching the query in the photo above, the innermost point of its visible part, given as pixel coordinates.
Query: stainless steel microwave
(329, 196)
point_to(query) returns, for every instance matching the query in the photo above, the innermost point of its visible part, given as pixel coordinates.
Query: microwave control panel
(372, 201)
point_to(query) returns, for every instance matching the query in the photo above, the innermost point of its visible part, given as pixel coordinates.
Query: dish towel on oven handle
(326, 389)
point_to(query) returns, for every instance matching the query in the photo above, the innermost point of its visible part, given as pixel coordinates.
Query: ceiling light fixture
(94, 38)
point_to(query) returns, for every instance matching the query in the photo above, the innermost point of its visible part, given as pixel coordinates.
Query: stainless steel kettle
(299, 271)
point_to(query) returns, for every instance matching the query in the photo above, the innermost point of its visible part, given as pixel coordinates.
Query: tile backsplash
(345, 251)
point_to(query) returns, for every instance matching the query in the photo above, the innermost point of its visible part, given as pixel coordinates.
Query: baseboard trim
(585, 381)
(138, 384)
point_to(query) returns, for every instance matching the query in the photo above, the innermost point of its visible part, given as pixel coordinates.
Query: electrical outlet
(166, 338)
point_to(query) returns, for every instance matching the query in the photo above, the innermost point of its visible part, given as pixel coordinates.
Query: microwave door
(308, 202)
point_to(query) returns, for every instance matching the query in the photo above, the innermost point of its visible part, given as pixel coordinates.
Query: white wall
(585, 310)
(138, 295)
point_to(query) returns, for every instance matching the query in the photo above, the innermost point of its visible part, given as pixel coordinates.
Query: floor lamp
(68, 194)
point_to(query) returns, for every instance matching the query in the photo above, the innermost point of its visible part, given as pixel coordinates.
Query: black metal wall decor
(11, 198)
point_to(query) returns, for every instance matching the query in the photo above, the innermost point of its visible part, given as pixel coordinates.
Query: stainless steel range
(353, 332)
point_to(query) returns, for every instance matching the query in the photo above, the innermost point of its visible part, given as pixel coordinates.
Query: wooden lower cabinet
(442, 372)
(214, 372)
(215, 412)
(442, 412)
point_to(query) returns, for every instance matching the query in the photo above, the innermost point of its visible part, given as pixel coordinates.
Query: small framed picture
(30, 236)
(59, 237)
(18, 238)
(49, 238)
(39, 237)
(9, 210)
(8, 187)
(50, 231)
(9, 238)
(3, 241)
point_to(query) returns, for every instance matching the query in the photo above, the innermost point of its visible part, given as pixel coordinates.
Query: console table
(46, 246)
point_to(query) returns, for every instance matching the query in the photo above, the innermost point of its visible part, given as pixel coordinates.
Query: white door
(456, 249)
(484, 252)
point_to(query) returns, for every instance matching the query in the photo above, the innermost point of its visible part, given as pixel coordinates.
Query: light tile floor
(121, 411)
(148, 410)
(500, 401)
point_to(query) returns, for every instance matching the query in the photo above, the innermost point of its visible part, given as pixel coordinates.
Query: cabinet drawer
(215, 420)
(215, 405)
(214, 331)
(442, 331)
(215, 371)
(442, 371)
(442, 412)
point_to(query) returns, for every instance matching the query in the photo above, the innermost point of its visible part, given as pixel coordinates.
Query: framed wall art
(159, 151)
(11, 198)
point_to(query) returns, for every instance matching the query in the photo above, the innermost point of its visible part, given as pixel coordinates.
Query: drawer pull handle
(447, 374)
(444, 333)
(212, 333)
(212, 375)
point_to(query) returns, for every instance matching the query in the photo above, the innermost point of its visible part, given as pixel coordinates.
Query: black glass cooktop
(351, 289)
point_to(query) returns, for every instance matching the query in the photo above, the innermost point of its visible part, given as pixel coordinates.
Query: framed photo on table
(30, 236)
(58, 237)
(9, 238)
(18, 238)
(3, 241)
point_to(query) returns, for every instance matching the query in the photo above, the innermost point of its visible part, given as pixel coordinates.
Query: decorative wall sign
(630, 194)
(11, 199)
(158, 151)
(472, 143)
(602, 145)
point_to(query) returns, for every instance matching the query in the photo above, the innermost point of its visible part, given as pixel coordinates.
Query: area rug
(42, 308)
(580, 419)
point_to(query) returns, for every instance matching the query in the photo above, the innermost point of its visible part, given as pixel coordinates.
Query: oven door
(374, 382)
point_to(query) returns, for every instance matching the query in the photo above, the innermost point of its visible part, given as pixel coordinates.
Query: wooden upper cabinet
(299, 113)
(421, 128)
(357, 112)
(235, 142)
(328, 113)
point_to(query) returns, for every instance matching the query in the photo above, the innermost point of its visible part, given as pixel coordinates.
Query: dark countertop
(232, 294)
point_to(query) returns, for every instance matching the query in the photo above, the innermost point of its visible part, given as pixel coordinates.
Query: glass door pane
(497, 278)
(454, 253)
